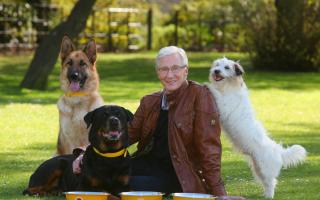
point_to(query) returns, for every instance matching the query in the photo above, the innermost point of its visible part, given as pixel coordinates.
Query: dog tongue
(74, 86)
(217, 78)
(114, 132)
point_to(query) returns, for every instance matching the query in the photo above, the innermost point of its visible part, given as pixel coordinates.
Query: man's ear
(129, 114)
(91, 51)
(88, 118)
(238, 69)
(67, 47)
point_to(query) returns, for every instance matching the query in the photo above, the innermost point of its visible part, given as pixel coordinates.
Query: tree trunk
(290, 34)
(47, 53)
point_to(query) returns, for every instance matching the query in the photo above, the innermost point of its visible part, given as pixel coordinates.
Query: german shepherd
(79, 80)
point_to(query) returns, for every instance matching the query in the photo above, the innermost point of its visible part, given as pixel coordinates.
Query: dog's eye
(69, 62)
(117, 115)
(227, 67)
(82, 63)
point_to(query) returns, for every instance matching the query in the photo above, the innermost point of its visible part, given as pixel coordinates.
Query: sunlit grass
(287, 103)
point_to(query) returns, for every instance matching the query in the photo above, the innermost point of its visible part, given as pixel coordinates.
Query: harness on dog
(123, 152)
(76, 94)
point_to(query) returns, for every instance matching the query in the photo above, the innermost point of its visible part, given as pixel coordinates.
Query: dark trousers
(150, 175)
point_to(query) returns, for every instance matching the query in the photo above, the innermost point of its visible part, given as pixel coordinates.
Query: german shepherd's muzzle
(77, 77)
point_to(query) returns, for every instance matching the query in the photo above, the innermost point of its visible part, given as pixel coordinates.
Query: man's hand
(76, 164)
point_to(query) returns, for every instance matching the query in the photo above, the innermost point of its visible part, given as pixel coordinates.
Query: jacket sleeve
(207, 141)
(135, 126)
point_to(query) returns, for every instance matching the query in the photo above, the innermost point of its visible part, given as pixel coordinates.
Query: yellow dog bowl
(192, 196)
(86, 195)
(141, 195)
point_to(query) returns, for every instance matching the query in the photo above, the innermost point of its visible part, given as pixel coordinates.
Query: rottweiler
(105, 165)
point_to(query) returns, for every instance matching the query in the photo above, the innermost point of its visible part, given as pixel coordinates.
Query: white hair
(165, 51)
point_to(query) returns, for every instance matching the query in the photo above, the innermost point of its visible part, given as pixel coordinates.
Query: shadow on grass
(309, 138)
(23, 159)
(310, 126)
(18, 166)
(280, 80)
(10, 77)
(15, 192)
(136, 72)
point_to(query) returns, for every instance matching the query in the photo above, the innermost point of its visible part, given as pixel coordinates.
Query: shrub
(285, 35)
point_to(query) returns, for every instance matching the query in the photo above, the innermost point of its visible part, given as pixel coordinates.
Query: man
(178, 133)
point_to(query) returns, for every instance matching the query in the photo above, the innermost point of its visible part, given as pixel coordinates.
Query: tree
(47, 53)
(291, 43)
(282, 34)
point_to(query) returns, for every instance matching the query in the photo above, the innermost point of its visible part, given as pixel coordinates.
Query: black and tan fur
(105, 164)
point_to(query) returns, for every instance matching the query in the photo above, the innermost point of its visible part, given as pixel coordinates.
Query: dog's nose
(217, 71)
(74, 76)
(114, 121)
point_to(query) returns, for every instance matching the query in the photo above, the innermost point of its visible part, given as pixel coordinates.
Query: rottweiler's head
(109, 130)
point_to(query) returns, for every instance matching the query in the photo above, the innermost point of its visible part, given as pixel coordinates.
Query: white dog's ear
(238, 69)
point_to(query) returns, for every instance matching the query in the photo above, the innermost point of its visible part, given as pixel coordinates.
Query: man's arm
(207, 141)
(135, 126)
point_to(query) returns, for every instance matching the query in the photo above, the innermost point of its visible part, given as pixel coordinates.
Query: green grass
(287, 103)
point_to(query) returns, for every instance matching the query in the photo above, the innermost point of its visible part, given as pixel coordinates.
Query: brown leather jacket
(193, 135)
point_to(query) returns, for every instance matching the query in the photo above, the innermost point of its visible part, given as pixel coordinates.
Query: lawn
(287, 103)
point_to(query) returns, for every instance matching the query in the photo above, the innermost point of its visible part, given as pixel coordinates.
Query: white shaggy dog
(266, 157)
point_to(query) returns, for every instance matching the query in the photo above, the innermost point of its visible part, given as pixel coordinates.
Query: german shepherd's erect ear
(67, 47)
(91, 51)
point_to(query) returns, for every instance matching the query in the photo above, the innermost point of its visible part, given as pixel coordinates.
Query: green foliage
(202, 25)
(284, 35)
(285, 102)
(163, 36)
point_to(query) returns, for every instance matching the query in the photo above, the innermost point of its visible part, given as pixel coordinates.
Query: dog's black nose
(217, 71)
(74, 76)
(114, 121)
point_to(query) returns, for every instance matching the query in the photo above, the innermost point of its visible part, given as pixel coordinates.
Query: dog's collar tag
(76, 94)
(123, 152)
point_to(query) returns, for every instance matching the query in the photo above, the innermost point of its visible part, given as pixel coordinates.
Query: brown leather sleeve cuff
(219, 190)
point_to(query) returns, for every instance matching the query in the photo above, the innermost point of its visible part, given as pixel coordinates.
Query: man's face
(171, 73)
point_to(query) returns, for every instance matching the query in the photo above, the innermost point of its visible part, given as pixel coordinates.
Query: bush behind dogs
(285, 35)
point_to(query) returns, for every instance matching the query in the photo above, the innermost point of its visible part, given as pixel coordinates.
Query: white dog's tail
(293, 155)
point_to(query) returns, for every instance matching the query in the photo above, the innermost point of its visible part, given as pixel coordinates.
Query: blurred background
(278, 34)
